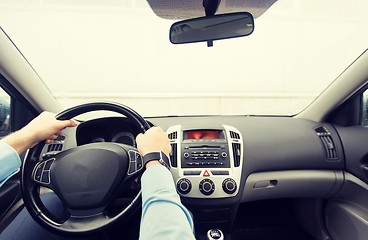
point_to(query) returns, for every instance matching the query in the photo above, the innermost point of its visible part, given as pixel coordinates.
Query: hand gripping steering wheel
(87, 178)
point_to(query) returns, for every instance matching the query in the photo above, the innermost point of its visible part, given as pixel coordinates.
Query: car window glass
(365, 109)
(4, 113)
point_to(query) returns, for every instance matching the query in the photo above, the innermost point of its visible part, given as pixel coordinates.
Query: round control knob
(186, 155)
(206, 186)
(224, 154)
(215, 234)
(184, 186)
(229, 185)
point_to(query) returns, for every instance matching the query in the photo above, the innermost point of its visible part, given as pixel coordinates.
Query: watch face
(164, 160)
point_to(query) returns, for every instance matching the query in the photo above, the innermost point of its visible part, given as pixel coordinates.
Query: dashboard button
(184, 186)
(206, 186)
(229, 185)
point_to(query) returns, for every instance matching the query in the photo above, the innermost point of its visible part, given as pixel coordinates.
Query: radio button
(186, 155)
(224, 154)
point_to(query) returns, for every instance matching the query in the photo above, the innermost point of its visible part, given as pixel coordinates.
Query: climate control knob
(184, 186)
(206, 186)
(229, 185)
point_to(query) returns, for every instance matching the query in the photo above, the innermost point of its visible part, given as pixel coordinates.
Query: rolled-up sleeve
(9, 162)
(163, 214)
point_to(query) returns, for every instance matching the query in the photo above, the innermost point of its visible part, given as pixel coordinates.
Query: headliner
(183, 9)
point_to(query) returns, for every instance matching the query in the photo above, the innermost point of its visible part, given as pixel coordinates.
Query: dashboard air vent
(236, 153)
(329, 146)
(173, 155)
(55, 147)
(234, 135)
(173, 135)
(327, 142)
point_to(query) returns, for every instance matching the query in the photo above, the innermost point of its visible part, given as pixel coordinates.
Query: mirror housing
(209, 28)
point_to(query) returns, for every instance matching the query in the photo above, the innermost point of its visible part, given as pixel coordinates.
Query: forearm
(9, 162)
(163, 215)
(19, 141)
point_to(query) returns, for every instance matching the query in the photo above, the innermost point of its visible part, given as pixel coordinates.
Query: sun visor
(179, 9)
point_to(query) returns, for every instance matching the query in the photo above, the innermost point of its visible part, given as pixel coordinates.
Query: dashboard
(219, 163)
(229, 159)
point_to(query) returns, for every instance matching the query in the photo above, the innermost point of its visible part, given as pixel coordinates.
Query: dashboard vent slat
(55, 147)
(236, 153)
(327, 142)
(234, 135)
(173, 155)
(173, 135)
(329, 146)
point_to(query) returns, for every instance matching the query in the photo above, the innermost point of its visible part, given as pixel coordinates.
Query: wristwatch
(157, 156)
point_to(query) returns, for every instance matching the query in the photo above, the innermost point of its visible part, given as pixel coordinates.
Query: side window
(4, 113)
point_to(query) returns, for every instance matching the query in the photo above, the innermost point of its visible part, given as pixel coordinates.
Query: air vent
(329, 146)
(173, 155)
(237, 154)
(327, 142)
(234, 135)
(173, 135)
(55, 147)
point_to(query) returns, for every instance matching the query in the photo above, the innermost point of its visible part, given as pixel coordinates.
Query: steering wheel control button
(38, 174)
(184, 186)
(41, 174)
(45, 177)
(229, 185)
(48, 164)
(135, 162)
(206, 187)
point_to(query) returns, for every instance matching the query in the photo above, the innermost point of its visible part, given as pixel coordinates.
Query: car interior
(302, 176)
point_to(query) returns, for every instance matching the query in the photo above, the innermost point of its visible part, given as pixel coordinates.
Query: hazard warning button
(206, 174)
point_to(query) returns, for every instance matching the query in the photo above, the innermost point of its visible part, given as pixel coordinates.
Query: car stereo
(206, 161)
(204, 148)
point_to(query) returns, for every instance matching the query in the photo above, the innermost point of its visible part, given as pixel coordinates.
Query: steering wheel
(87, 178)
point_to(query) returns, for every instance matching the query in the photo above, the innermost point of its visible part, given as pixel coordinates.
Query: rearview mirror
(211, 28)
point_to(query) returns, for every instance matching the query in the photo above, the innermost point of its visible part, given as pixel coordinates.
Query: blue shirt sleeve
(163, 214)
(9, 162)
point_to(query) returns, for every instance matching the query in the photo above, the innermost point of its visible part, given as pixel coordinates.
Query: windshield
(120, 51)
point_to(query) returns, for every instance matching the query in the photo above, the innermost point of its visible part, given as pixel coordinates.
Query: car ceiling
(178, 9)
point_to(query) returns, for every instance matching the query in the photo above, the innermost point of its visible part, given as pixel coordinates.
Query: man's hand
(43, 127)
(154, 140)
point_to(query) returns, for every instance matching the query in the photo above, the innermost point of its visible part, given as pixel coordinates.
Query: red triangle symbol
(206, 174)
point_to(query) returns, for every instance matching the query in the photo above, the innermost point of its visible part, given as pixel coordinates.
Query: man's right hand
(154, 140)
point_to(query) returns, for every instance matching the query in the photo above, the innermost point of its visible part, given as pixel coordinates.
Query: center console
(206, 161)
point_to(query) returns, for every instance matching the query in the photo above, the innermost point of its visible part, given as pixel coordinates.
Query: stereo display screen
(203, 134)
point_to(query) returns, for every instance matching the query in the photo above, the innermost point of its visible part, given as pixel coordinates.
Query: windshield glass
(120, 51)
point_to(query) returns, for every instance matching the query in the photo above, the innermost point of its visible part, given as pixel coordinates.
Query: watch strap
(157, 156)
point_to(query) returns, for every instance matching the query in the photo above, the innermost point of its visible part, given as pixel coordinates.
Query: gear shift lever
(215, 234)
